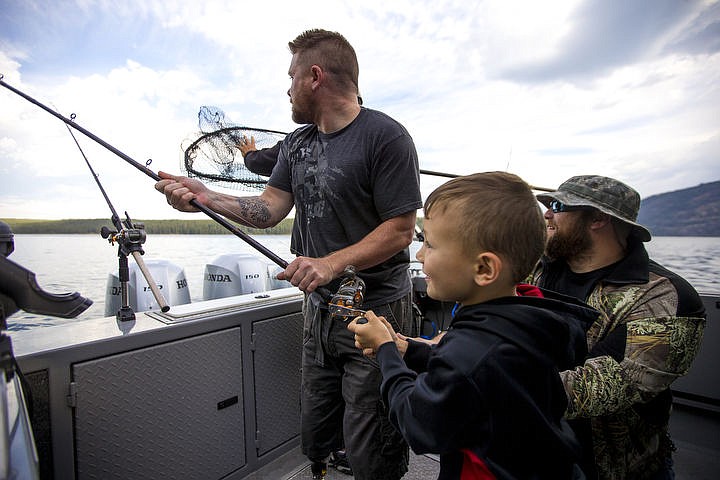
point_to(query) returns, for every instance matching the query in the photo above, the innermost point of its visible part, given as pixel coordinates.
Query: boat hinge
(258, 439)
(252, 342)
(72, 395)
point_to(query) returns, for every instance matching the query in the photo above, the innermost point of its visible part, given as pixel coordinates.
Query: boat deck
(294, 466)
(695, 431)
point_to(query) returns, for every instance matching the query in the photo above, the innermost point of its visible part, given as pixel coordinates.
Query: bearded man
(647, 336)
(351, 174)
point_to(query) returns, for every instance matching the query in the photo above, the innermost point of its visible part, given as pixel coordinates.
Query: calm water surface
(69, 263)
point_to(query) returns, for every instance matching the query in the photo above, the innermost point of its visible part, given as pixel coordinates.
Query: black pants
(341, 402)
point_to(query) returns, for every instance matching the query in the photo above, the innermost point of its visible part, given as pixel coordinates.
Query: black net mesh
(215, 156)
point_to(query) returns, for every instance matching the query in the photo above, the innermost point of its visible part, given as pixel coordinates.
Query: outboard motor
(234, 274)
(273, 282)
(170, 280)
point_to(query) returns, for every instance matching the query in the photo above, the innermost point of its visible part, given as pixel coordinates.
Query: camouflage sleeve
(635, 353)
(657, 351)
(596, 388)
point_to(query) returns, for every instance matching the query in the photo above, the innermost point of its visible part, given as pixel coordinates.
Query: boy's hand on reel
(370, 332)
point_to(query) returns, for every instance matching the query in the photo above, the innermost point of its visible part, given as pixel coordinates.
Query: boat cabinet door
(173, 410)
(277, 352)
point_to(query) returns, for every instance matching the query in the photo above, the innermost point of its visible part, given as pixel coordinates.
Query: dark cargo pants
(341, 402)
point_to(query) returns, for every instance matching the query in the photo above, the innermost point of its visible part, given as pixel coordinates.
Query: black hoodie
(490, 392)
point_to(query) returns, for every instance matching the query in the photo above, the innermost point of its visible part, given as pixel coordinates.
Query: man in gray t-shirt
(352, 176)
(344, 185)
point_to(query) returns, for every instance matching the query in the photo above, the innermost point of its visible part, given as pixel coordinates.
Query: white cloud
(470, 80)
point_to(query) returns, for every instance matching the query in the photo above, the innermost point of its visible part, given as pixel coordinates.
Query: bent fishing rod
(143, 168)
(129, 238)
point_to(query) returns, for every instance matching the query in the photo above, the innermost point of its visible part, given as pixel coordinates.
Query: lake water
(69, 263)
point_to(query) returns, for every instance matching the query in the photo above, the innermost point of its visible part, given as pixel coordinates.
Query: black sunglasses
(557, 207)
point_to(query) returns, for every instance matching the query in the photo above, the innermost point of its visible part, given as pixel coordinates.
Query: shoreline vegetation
(171, 226)
(690, 212)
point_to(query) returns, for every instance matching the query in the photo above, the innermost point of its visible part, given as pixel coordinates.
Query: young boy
(488, 397)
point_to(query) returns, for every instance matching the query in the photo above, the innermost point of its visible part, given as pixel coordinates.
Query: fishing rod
(129, 237)
(144, 168)
(453, 175)
(438, 174)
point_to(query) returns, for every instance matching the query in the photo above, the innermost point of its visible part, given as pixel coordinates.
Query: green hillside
(690, 212)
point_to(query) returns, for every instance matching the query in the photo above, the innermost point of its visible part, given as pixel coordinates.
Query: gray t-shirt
(347, 183)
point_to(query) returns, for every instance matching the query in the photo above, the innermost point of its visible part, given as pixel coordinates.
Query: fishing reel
(129, 239)
(135, 235)
(130, 236)
(347, 301)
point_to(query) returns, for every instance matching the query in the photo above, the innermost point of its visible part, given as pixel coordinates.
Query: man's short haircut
(496, 212)
(331, 51)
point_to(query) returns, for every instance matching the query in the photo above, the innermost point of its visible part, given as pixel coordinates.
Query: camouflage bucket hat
(606, 194)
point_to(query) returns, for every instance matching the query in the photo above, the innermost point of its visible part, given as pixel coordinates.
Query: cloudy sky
(546, 90)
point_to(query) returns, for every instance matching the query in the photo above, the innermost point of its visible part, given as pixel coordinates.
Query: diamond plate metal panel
(40, 418)
(276, 366)
(156, 413)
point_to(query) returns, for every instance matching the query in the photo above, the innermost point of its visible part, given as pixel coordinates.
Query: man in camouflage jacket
(648, 334)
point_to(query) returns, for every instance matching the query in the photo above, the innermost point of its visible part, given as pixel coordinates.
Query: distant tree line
(93, 225)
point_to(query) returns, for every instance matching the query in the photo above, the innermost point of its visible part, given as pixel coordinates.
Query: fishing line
(144, 169)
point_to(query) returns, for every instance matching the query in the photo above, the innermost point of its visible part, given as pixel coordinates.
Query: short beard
(300, 118)
(301, 110)
(573, 243)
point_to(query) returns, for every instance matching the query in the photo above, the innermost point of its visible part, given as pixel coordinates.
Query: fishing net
(215, 156)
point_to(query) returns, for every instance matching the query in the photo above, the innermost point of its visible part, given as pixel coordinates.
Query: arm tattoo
(254, 211)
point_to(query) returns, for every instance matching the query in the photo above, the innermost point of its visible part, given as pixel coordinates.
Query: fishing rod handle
(164, 307)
